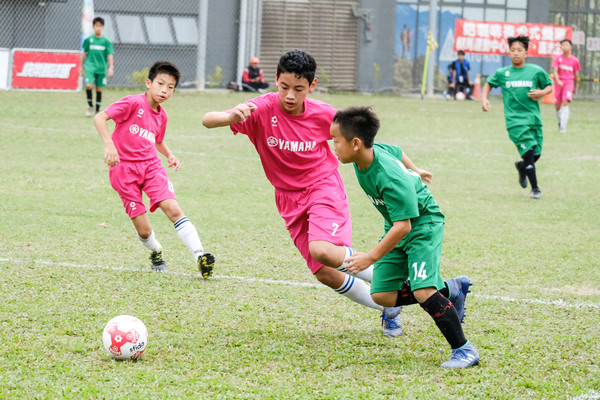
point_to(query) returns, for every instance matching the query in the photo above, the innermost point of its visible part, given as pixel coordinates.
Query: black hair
(98, 19)
(566, 40)
(164, 67)
(299, 63)
(461, 53)
(358, 122)
(523, 39)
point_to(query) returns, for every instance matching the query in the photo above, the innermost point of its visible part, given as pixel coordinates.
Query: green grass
(69, 262)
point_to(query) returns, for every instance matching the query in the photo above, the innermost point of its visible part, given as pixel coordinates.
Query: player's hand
(358, 262)
(242, 111)
(426, 176)
(574, 89)
(174, 162)
(111, 155)
(485, 105)
(535, 94)
(559, 82)
(111, 72)
(81, 71)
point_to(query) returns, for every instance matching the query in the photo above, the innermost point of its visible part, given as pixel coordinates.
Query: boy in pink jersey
(290, 133)
(565, 68)
(131, 154)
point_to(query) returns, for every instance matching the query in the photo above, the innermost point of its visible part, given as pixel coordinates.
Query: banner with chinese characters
(490, 37)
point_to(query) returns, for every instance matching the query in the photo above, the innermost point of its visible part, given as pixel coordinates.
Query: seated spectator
(450, 90)
(253, 79)
(460, 76)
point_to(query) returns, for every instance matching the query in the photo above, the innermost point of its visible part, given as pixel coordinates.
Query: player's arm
(453, 78)
(81, 63)
(111, 66)
(165, 151)
(397, 232)
(555, 75)
(426, 176)
(575, 81)
(485, 103)
(111, 155)
(241, 112)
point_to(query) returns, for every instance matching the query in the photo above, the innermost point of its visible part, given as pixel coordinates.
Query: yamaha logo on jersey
(271, 141)
(134, 129)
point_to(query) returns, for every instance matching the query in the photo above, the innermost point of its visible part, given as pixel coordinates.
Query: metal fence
(359, 45)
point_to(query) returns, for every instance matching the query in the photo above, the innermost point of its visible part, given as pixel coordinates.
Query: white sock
(151, 243)
(357, 291)
(365, 274)
(189, 235)
(564, 118)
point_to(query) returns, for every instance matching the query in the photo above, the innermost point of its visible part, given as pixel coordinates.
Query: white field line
(557, 303)
(592, 395)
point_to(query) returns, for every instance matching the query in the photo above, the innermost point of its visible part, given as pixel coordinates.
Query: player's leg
(424, 255)
(89, 85)
(558, 99)
(566, 100)
(160, 190)
(124, 179)
(100, 83)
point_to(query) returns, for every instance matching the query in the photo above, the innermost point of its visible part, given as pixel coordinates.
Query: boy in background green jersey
(522, 86)
(97, 51)
(407, 258)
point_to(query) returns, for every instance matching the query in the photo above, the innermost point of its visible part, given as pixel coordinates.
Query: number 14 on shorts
(419, 271)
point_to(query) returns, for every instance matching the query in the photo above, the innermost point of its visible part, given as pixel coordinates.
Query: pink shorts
(130, 178)
(564, 92)
(319, 212)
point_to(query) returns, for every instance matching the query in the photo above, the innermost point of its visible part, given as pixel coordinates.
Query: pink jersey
(138, 127)
(293, 149)
(567, 66)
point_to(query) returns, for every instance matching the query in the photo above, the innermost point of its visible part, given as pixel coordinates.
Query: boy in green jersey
(522, 86)
(407, 258)
(97, 51)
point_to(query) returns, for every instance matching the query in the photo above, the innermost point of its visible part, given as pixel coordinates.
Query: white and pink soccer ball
(460, 96)
(125, 337)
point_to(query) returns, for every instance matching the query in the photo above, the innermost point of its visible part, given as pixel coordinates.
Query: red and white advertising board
(45, 69)
(490, 37)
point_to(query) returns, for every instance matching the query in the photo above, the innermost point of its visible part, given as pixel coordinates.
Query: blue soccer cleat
(459, 287)
(391, 324)
(463, 357)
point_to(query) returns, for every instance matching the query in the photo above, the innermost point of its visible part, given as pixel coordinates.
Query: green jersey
(397, 192)
(519, 109)
(97, 50)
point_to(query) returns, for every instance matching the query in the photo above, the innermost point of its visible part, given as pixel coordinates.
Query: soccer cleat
(206, 263)
(392, 312)
(522, 176)
(90, 112)
(158, 264)
(535, 194)
(459, 287)
(463, 357)
(392, 326)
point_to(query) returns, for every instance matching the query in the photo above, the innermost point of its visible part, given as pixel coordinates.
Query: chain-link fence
(359, 45)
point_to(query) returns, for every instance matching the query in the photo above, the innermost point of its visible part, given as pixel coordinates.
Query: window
(186, 30)
(473, 13)
(516, 16)
(159, 31)
(494, 14)
(516, 3)
(130, 29)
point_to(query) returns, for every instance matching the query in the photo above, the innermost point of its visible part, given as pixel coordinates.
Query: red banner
(47, 70)
(490, 37)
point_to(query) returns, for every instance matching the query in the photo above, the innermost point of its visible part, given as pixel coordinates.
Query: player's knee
(385, 299)
(322, 254)
(327, 276)
(171, 209)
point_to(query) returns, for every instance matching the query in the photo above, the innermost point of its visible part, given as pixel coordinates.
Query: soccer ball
(125, 337)
(460, 96)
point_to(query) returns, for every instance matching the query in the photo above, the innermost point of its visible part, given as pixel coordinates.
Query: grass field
(263, 327)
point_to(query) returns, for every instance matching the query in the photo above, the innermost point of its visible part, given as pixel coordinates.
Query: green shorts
(416, 258)
(92, 78)
(527, 137)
